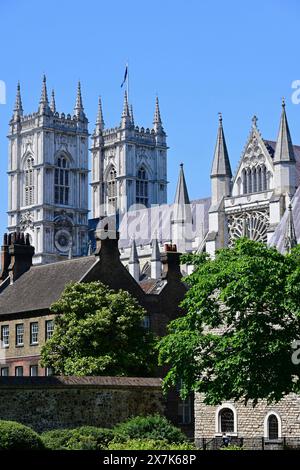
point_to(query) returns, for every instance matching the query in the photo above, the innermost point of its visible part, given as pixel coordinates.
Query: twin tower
(49, 167)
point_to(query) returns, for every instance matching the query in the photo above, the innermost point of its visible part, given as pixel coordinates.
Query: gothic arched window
(142, 187)
(244, 179)
(226, 420)
(264, 178)
(273, 427)
(259, 179)
(29, 181)
(62, 182)
(112, 187)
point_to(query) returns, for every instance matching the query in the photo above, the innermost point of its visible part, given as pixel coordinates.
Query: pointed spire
(52, 104)
(157, 122)
(44, 103)
(221, 163)
(134, 264)
(155, 255)
(284, 151)
(126, 121)
(181, 196)
(155, 260)
(290, 239)
(182, 209)
(79, 109)
(18, 109)
(131, 115)
(133, 253)
(100, 121)
(125, 112)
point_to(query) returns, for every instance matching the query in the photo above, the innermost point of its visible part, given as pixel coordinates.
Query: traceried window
(226, 420)
(62, 182)
(255, 179)
(112, 187)
(142, 187)
(29, 181)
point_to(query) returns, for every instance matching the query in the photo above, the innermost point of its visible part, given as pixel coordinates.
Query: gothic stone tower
(252, 203)
(48, 178)
(129, 164)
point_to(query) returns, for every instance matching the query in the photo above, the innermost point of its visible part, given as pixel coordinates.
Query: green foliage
(243, 313)
(82, 438)
(232, 447)
(16, 436)
(99, 331)
(154, 427)
(149, 444)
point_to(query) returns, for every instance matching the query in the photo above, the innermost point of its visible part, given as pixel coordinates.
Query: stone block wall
(45, 403)
(250, 421)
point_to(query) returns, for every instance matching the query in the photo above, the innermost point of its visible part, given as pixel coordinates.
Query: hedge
(16, 436)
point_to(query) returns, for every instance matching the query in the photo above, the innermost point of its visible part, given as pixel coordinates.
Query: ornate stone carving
(252, 224)
(26, 220)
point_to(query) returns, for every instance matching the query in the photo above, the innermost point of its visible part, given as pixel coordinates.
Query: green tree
(243, 313)
(98, 331)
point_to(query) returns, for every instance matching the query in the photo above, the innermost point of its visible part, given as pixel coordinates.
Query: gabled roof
(42, 285)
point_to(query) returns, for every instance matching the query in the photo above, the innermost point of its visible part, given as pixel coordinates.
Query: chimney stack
(5, 258)
(170, 259)
(20, 254)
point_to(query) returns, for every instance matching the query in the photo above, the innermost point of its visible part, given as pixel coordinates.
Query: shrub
(231, 447)
(149, 444)
(83, 438)
(16, 436)
(153, 427)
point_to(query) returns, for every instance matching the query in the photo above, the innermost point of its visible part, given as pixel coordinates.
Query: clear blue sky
(238, 57)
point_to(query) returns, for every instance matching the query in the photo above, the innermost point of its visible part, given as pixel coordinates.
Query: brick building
(27, 292)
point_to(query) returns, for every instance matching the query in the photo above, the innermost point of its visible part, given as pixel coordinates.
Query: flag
(125, 75)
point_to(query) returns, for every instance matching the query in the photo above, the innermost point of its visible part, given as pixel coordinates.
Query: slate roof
(42, 285)
(156, 222)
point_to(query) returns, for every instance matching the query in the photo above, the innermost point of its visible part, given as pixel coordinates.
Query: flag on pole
(125, 75)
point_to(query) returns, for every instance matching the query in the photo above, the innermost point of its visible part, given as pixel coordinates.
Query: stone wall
(45, 403)
(250, 422)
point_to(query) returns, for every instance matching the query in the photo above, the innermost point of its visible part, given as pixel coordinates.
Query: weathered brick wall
(45, 403)
(250, 421)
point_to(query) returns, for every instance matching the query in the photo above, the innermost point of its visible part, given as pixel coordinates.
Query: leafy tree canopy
(99, 331)
(243, 314)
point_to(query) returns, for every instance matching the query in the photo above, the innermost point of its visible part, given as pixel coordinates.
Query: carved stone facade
(48, 178)
(253, 202)
(129, 164)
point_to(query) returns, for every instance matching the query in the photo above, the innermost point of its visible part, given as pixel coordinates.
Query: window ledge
(273, 441)
(228, 434)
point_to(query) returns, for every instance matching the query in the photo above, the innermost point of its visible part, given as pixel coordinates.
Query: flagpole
(127, 81)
